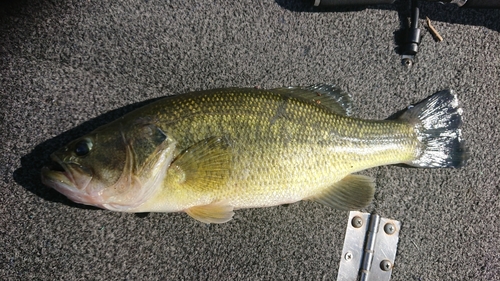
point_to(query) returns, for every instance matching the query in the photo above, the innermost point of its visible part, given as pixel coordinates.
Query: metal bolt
(407, 62)
(389, 228)
(348, 256)
(357, 222)
(385, 265)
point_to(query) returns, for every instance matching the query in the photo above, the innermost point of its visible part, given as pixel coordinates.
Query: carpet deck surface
(67, 67)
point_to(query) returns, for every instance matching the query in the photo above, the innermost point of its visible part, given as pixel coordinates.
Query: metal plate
(370, 247)
(385, 250)
(352, 252)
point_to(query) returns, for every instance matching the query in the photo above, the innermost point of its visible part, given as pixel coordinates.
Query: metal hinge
(370, 246)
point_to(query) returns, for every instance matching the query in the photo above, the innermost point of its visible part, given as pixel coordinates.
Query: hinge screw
(357, 222)
(348, 256)
(389, 228)
(385, 265)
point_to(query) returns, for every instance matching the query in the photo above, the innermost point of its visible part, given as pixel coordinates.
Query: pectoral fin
(204, 166)
(351, 193)
(219, 212)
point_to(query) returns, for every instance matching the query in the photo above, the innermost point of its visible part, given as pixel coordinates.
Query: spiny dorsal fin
(329, 96)
(351, 193)
(218, 212)
(205, 165)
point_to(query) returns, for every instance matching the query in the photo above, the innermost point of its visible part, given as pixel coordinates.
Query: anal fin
(218, 212)
(351, 193)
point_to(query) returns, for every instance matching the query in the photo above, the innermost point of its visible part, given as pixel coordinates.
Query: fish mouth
(57, 174)
(67, 178)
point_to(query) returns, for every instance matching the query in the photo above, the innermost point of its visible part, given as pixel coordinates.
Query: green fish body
(208, 153)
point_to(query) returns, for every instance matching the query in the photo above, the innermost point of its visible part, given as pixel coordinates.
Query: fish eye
(83, 147)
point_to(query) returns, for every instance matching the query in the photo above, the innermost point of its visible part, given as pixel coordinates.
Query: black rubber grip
(487, 4)
(350, 2)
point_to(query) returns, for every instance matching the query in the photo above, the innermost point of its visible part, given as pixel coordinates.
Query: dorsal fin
(329, 96)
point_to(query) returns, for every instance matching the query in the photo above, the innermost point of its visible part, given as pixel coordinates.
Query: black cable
(415, 13)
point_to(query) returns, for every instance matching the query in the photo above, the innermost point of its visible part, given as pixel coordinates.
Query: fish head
(117, 167)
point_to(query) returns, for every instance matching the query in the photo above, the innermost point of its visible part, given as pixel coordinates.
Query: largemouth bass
(208, 153)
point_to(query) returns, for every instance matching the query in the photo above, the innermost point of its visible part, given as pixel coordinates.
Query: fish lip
(65, 177)
(74, 181)
(64, 181)
(60, 182)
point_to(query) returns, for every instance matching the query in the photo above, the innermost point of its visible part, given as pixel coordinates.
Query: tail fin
(437, 121)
